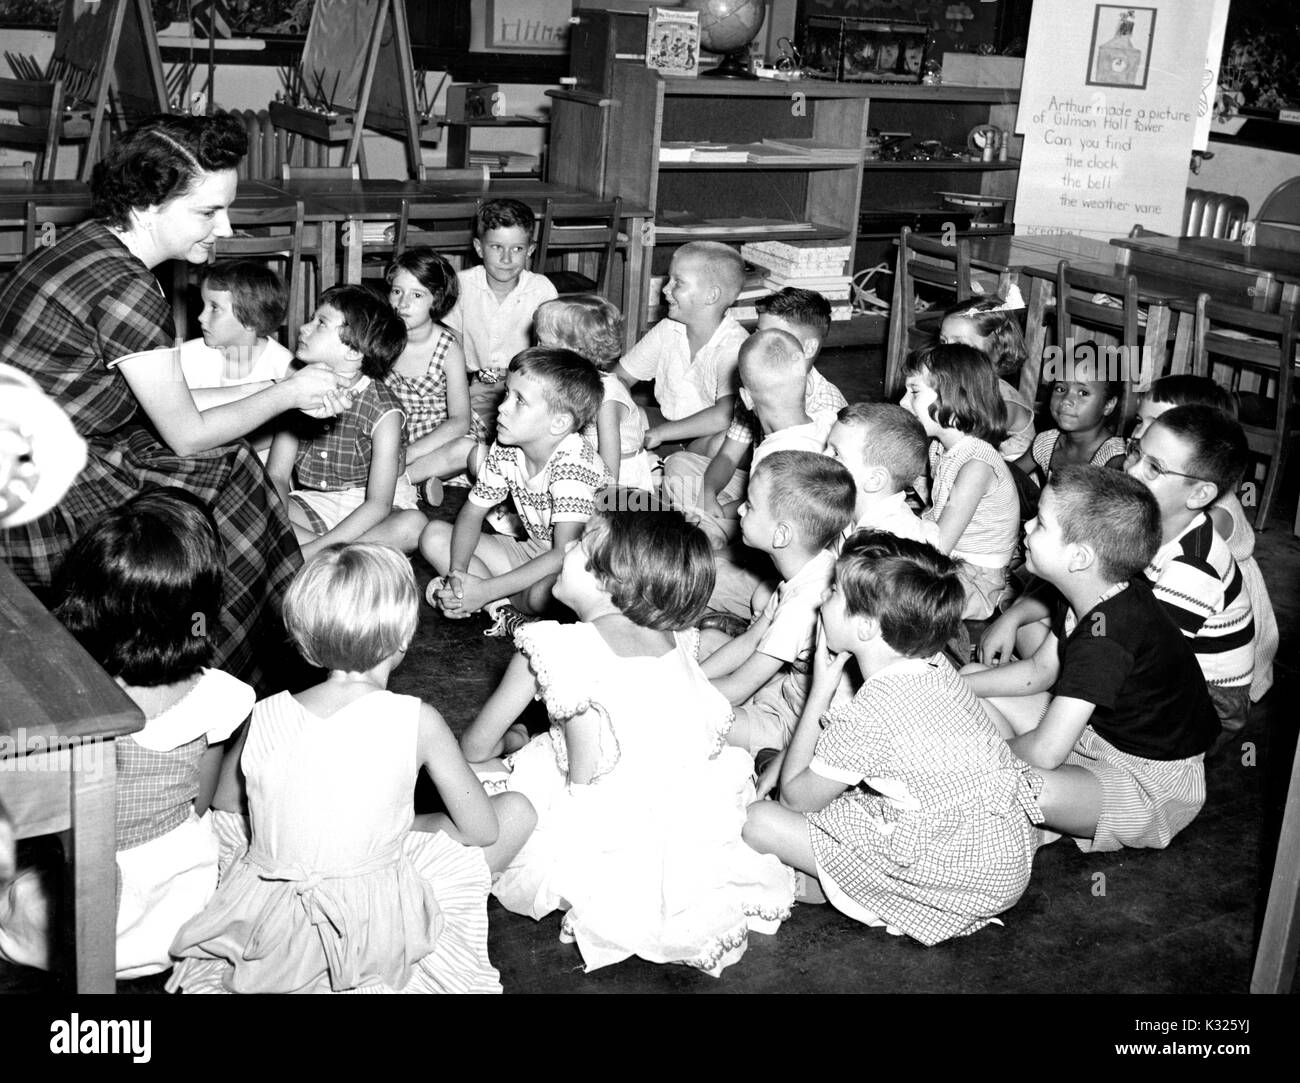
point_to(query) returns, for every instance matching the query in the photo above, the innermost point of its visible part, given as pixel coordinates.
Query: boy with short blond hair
(799, 503)
(542, 463)
(884, 448)
(692, 355)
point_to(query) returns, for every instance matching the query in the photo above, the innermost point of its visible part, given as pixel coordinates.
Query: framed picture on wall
(1121, 46)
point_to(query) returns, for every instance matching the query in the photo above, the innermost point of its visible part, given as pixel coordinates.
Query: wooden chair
(1214, 214)
(597, 234)
(1278, 224)
(43, 222)
(1142, 342)
(946, 270)
(274, 234)
(425, 223)
(1238, 347)
(40, 101)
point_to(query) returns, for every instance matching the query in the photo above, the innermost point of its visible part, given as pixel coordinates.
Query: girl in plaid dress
(906, 804)
(86, 319)
(138, 589)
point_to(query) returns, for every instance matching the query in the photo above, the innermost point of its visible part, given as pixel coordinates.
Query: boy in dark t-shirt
(1120, 741)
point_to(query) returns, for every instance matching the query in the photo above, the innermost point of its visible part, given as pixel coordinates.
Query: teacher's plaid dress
(66, 314)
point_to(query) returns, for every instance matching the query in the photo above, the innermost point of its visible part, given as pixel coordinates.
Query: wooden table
(58, 768)
(1269, 275)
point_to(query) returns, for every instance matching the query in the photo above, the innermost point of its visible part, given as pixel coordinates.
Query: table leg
(93, 779)
(636, 277)
(329, 268)
(353, 229)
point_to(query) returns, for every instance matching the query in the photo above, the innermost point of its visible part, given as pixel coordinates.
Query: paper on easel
(1108, 109)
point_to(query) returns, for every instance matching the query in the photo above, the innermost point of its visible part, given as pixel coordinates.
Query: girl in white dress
(334, 890)
(640, 801)
(592, 327)
(139, 591)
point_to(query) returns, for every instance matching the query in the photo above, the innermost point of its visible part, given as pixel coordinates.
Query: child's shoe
(506, 620)
(433, 492)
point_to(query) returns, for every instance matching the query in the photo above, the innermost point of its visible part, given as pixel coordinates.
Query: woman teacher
(85, 318)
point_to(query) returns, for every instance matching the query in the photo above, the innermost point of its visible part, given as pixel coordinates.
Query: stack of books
(809, 265)
(504, 161)
(818, 151)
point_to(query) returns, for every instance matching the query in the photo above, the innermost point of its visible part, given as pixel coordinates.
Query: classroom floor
(1181, 920)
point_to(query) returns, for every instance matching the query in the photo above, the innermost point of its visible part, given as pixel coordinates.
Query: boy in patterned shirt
(341, 477)
(542, 463)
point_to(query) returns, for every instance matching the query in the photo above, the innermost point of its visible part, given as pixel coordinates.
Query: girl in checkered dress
(140, 591)
(905, 804)
(429, 378)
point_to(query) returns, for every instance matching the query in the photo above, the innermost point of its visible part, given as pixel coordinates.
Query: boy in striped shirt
(1187, 457)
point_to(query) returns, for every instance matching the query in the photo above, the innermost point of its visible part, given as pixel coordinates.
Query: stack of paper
(820, 151)
(809, 265)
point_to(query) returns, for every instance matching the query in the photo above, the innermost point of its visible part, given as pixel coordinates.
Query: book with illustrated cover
(673, 41)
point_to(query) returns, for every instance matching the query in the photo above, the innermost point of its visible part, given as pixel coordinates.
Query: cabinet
(610, 144)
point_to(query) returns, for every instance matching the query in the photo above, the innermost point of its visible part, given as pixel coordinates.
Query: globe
(727, 26)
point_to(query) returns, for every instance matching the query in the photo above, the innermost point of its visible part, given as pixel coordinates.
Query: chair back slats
(425, 224)
(39, 106)
(945, 267)
(1258, 349)
(596, 233)
(274, 234)
(1076, 311)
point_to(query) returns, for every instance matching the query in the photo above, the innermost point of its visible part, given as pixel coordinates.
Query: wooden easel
(103, 47)
(347, 87)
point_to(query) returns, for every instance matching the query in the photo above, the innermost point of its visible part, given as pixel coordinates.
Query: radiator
(1213, 214)
(269, 148)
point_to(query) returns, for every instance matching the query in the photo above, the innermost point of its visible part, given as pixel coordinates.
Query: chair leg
(1276, 468)
(897, 343)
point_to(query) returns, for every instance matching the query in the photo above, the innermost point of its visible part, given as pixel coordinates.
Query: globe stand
(734, 66)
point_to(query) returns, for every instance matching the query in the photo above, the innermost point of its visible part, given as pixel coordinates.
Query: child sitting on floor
(542, 463)
(991, 325)
(703, 487)
(334, 890)
(952, 390)
(904, 804)
(591, 327)
(1082, 404)
(340, 478)
(494, 316)
(884, 448)
(1188, 457)
(799, 502)
(1120, 742)
(691, 355)
(639, 802)
(1227, 513)
(244, 303)
(138, 589)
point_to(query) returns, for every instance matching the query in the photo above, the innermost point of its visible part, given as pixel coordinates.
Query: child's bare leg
(401, 530)
(435, 547)
(516, 819)
(1071, 800)
(442, 462)
(303, 531)
(771, 828)
(537, 598)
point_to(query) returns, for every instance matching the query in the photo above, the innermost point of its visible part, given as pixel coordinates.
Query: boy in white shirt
(884, 448)
(494, 315)
(799, 503)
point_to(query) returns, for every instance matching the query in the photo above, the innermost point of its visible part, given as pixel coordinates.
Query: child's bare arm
(747, 678)
(279, 464)
(381, 484)
(802, 789)
(1050, 742)
(998, 643)
(229, 795)
(476, 593)
(469, 818)
(973, 481)
(209, 774)
(1025, 678)
(609, 438)
(718, 475)
(485, 737)
(732, 653)
(710, 420)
